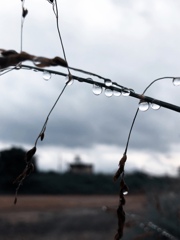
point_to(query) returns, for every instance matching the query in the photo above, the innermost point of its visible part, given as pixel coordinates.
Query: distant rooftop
(79, 167)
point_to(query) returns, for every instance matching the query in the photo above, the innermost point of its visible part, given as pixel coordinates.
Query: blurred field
(63, 217)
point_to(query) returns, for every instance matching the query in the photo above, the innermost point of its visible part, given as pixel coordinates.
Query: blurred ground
(63, 217)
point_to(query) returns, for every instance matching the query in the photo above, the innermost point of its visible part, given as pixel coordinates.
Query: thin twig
(47, 118)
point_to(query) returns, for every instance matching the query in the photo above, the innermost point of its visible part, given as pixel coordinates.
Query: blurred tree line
(12, 164)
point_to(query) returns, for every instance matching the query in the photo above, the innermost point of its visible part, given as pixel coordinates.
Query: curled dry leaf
(21, 177)
(123, 160)
(42, 136)
(123, 187)
(121, 167)
(121, 220)
(30, 154)
(50, 1)
(24, 13)
(30, 169)
(15, 200)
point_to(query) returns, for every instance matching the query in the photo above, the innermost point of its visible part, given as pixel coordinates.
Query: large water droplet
(108, 82)
(46, 75)
(143, 106)
(116, 93)
(176, 81)
(70, 82)
(125, 92)
(97, 90)
(155, 106)
(108, 92)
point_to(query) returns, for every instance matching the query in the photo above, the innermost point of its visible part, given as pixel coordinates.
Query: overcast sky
(130, 42)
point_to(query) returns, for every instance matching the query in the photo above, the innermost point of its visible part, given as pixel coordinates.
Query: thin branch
(47, 118)
(135, 116)
(55, 10)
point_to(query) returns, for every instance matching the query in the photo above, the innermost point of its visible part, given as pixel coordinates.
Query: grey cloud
(80, 118)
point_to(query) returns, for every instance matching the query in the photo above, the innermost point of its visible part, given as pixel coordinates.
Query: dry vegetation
(63, 217)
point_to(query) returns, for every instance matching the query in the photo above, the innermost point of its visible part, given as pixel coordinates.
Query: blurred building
(79, 167)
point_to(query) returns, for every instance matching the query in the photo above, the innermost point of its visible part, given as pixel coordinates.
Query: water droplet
(70, 82)
(125, 92)
(176, 81)
(36, 61)
(143, 106)
(125, 192)
(18, 66)
(97, 90)
(108, 92)
(155, 106)
(108, 82)
(46, 75)
(116, 93)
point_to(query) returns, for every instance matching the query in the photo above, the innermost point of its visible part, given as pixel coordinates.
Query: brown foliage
(12, 58)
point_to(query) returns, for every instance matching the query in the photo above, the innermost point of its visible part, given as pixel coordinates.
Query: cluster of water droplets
(98, 89)
(144, 106)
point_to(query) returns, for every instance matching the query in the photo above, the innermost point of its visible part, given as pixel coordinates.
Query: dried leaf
(30, 169)
(121, 167)
(15, 200)
(24, 13)
(42, 136)
(117, 174)
(121, 220)
(30, 154)
(12, 58)
(50, 1)
(123, 160)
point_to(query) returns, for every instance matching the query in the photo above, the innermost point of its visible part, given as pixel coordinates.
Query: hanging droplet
(108, 82)
(36, 61)
(176, 81)
(125, 92)
(155, 106)
(18, 67)
(46, 75)
(70, 82)
(97, 90)
(108, 92)
(125, 192)
(116, 93)
(143, 106)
